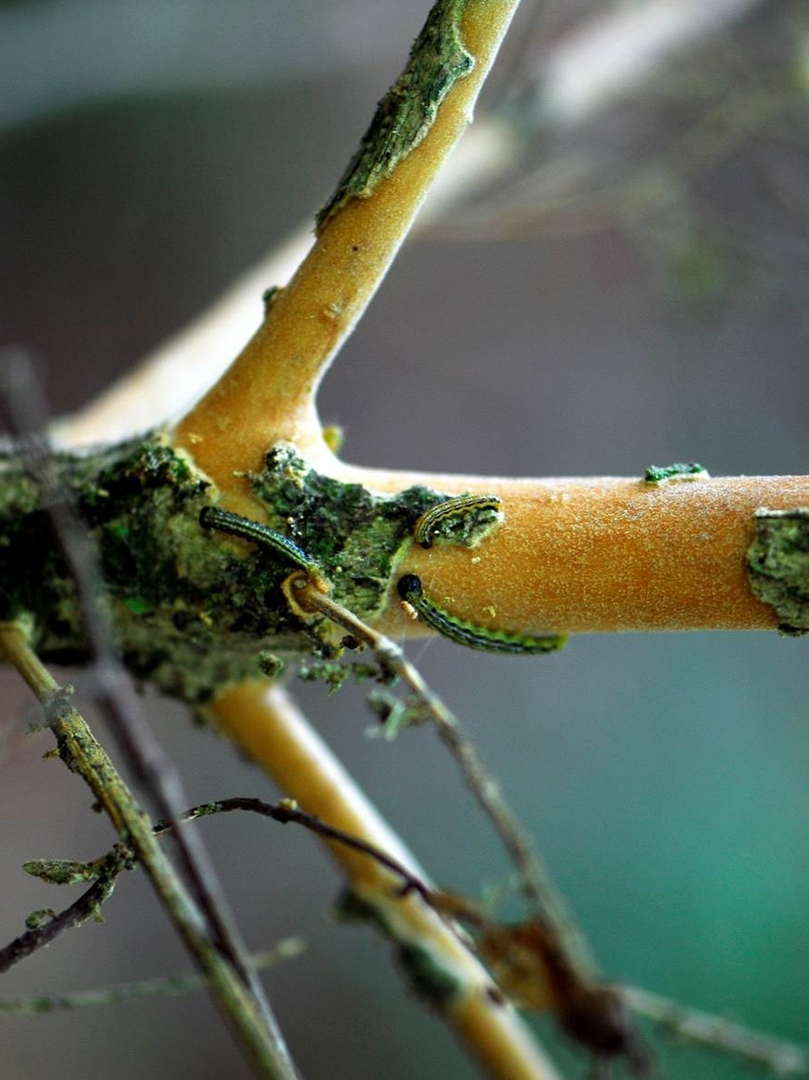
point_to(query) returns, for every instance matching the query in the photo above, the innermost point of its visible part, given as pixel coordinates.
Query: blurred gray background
(148, 153)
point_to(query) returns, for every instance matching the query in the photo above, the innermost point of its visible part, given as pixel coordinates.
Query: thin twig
(27, 414)
(287, 812)
(81, 752)
(82, 909)
(718, 1033)
(105, 870)
(682, 1021)
(535, 881)
(164, 986)
(590, 1011)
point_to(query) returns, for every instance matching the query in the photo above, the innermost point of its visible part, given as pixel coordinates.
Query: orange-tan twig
(268, 727)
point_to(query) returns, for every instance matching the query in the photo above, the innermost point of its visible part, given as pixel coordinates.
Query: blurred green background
(148, 153)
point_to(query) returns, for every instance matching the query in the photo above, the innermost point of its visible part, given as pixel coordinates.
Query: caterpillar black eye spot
(409, 586)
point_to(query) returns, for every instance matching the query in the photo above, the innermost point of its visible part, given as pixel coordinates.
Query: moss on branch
(778, 566)
(193, 610)
(407, 111)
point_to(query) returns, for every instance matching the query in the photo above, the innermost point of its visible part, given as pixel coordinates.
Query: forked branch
(268, 393)
(571, 555)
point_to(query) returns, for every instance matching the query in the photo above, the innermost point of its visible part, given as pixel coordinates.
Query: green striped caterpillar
(211, 517)
(464, 520)
(463, 632)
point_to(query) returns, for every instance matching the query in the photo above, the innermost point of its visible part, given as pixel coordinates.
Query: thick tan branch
(268, 727)
(268, 393)
(591, 555)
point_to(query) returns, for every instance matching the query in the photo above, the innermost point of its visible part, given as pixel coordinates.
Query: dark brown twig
(82, 909)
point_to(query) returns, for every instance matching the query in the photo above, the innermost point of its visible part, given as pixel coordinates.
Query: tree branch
(603, 554)
(268, 393)
(267, 726)
(85, 907)
(80, 751)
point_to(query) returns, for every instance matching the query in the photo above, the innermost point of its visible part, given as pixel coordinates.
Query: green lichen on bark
(428, 979)
(40, 917)
(62, 871)
(778, 566)
(661, 474)
(355, 537)
(407, 111)
(192, 611)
